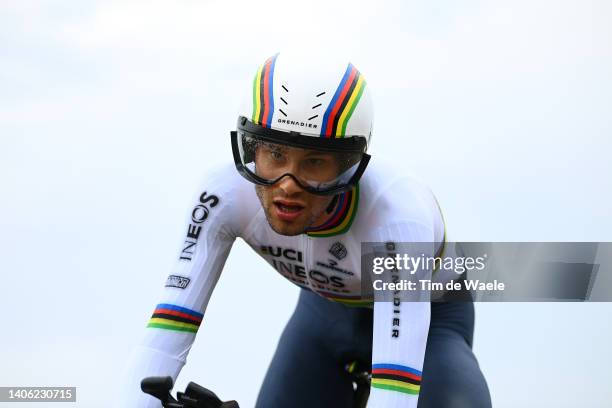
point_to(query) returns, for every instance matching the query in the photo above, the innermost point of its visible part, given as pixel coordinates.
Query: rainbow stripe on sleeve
(173, 317)
(395, 377)
(343, 104)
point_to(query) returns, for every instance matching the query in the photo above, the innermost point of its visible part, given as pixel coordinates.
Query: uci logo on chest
(291, 266)
(287, 253)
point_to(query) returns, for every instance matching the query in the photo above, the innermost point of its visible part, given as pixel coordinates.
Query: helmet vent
(284, 101)
(316, 106)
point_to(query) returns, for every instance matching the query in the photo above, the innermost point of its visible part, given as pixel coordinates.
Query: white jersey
(386, 206)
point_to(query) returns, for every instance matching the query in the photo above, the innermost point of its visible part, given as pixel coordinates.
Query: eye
(316, 161)
(274, 152)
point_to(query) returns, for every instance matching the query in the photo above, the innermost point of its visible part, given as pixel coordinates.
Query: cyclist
(301, 140)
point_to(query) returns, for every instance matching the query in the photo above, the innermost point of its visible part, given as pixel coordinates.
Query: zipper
(307, 259)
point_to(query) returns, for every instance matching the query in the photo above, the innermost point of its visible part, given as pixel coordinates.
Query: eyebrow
(318, 153)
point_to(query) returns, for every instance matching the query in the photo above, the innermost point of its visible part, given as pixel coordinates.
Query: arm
(401, 323)
(400, 330)
(179, 313)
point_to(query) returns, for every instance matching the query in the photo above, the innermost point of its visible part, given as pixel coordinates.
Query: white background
(110, 112)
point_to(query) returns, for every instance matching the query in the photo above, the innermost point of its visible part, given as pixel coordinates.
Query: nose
(289, 185)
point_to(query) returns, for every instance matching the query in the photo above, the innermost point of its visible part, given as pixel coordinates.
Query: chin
(283, 228)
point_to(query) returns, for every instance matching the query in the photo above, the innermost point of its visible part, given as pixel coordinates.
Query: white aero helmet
(309, 120)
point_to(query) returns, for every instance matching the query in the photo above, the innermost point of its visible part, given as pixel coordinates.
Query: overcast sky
(111, 111)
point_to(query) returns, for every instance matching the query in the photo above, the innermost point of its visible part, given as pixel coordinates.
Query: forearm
(146, 362)
(400, 338)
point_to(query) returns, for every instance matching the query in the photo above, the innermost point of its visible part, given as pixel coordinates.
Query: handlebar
(195, 396)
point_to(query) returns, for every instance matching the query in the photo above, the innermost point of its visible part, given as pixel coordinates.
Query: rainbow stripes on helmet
(343, 104)
(173, 317)
(395, 377)
(263, 95)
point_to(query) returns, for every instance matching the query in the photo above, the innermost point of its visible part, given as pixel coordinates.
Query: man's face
(289, 209)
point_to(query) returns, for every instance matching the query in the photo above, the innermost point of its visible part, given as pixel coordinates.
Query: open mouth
(288, 208)
(288, 211)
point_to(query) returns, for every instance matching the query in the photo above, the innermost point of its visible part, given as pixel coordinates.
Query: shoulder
(224, 181)
(226, 196)
(390, 195)
(389, 187)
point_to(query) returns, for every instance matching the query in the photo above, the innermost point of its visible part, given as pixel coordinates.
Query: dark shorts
(307, 369)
